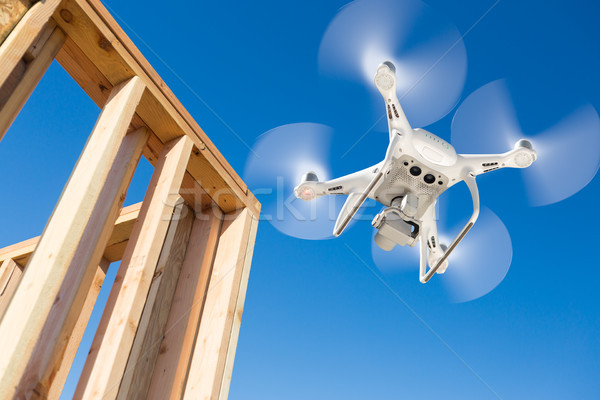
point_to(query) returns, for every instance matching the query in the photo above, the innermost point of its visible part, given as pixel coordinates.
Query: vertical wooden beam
(148, 338)
(42, 283)
(210, 370)
(34, 70)
(170, 371)
(46, 360)
(77, 334)
(10, 275)
(22, 36)
(108, 356)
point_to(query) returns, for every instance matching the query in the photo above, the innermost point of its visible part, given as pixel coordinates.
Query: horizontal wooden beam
(20, 252)
(115, 58)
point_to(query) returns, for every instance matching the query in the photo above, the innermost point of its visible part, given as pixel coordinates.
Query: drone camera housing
(393, 230)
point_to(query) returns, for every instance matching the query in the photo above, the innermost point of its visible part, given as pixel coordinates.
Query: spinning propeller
(475, 268)
(430, 68)
(568, 144)
(278, 162)
(425, 47)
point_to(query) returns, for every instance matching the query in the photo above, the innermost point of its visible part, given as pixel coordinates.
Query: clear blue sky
(318, 323)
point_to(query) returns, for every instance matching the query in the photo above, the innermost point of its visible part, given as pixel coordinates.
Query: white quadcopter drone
(417, 168)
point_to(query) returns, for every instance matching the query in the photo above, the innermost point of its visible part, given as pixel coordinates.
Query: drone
(417, 168)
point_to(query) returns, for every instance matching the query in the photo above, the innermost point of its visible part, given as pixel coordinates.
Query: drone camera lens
(429, 178)
(415, 171)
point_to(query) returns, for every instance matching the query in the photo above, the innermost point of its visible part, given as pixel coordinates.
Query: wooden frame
(171, 324)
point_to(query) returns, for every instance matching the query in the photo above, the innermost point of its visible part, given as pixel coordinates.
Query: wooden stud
(209, 372)
(62, 371)
(46, 360)
(27, 313)
(22, 36)
(10, 275)
(34, 71)
(151, 329)
(170, 371)
(110, 350)
(20, 252)
(99, 38)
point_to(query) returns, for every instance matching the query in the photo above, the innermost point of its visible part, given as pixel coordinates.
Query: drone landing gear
(425, 275)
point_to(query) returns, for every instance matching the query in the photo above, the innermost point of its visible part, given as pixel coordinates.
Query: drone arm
(521, 156)
(396, 118)
(469, 179)
(385, 80)
(357, 197)
(352, 205)
(311, 188)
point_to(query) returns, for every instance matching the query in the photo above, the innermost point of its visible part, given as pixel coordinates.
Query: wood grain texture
(112, 56)
(111, 346)
(23, 35)
(74, 340)
(170, 371)
(136, 379)
(34, 70)
(11, 12)
(10, 275)
(46, 359)
(199, 189)
(27, 313)
(20, 252)
(145, 66)
(238, 310)
(217, 332)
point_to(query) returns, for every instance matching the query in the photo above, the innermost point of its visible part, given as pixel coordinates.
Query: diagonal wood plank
(108, 356)
(46, 360)
(27, 313)
(150, 332)
(170, 371)
(23, 35)
(34, 70)
(217, 334)
(62, 372)
(10, 275)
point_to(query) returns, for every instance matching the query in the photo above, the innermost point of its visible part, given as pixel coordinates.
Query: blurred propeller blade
(482, 259)
(279, 159)
(477, 265)
(567, 144)
(426, 48)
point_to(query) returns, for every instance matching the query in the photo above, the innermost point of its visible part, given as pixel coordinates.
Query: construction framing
(170, 326)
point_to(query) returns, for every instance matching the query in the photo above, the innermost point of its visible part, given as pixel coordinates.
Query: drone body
(417, 168)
